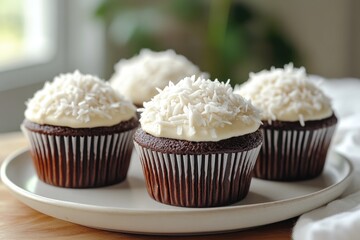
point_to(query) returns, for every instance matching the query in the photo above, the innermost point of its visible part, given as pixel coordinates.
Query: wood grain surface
(18, 221)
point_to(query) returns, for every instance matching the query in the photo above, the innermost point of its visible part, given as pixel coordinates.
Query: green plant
(224, 38)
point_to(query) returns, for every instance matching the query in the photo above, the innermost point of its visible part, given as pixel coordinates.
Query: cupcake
(198, 144)
(138, 78)
(80, 132)
(298, 123)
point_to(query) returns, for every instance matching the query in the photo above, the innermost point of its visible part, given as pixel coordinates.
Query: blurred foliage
(225, 38)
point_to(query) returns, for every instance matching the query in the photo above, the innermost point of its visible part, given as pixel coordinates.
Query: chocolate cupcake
(298, 123)
(80, 132)
(131, 77)
(198, 143)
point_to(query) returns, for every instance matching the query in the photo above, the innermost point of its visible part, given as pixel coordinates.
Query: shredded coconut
(77, 97)
(194, 104)
(286, 94)
(138, 77)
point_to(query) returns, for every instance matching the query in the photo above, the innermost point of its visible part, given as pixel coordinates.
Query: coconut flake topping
(199, 110)
(78, 101)
(138, 77)
(286, 94)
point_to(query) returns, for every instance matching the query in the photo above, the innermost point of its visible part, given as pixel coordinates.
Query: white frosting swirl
(138, 77)
(78, 101)
(286, 94)
(199, 110)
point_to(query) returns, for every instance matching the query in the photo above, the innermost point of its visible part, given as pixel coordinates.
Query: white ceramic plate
(127, 206)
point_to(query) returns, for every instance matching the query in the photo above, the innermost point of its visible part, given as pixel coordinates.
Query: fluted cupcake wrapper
(293, 154)
(203, 180)
(81, 161)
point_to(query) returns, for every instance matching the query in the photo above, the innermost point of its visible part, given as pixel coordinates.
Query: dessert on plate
(298, 123)
(80, 132)
(198, 144)
(138, 78)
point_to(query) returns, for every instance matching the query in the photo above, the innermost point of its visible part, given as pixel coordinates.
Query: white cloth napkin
(339, 219)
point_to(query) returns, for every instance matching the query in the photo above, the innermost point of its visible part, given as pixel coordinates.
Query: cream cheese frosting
(138, 77)
(78, 101)
(286, 95)
(199, 110)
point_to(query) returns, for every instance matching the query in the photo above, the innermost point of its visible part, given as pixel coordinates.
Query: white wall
(12, 106)
(85, 38)
(326, 32)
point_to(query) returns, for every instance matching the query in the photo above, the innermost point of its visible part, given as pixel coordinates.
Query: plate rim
(115, 210)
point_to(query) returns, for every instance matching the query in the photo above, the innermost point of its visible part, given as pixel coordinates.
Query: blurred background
(41, 38)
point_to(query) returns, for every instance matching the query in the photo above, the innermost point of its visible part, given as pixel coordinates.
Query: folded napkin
(339, 219)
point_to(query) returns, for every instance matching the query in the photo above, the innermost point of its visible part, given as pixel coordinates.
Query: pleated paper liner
(290, 155)
(204, 180)
(81, 161)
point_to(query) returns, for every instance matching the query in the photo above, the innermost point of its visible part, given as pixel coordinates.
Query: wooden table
(18, 221)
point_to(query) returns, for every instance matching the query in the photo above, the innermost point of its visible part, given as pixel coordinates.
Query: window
(25, 32)
(53, 37)
(30, 49)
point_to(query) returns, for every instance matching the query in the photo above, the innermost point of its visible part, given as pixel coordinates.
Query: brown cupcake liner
(204, 180)
(290, 155)
(81, 161)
